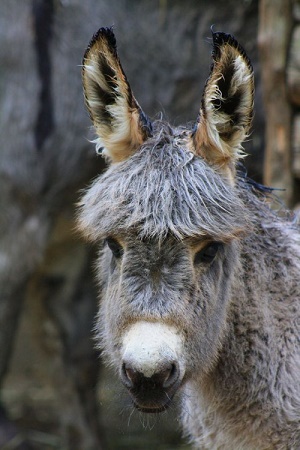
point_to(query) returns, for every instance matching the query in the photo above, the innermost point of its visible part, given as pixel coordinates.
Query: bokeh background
(55, 392)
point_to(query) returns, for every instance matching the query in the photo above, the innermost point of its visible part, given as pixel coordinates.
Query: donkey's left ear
(119, 121)
(227, 105)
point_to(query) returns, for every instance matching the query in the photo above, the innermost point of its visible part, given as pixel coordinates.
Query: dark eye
(208, 253)
(115, 247)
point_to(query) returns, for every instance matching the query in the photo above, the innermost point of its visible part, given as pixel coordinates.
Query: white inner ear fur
(123, 136)
(208, 140)
(242, 74)
(218, 121)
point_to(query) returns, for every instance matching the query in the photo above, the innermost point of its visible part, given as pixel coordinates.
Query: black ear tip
(106, 34)
(220, 38)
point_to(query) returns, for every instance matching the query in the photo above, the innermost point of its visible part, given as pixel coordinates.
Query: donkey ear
(227, 105)
(119, 121)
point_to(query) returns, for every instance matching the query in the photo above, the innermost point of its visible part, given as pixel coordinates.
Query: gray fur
(239, 314)
(163, 188)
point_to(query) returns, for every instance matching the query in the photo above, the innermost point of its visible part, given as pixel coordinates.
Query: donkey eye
(115, 247)
(208, 253)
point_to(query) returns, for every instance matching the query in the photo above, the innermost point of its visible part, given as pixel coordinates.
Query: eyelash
(115, 247)
(207, 254)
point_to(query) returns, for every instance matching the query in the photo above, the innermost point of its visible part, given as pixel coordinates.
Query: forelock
(163, 188)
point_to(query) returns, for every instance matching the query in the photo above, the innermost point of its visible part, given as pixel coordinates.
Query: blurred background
(55, 392)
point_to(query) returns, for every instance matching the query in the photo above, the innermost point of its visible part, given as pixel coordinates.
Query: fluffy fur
(163, 188)
(227, 104)
(239, 311)
(118, 119)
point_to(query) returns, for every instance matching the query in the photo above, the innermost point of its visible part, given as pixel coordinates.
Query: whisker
(129, 418)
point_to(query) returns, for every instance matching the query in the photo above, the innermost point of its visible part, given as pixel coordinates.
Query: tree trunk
(275, 26)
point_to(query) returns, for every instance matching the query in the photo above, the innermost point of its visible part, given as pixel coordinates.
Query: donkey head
(169, 217)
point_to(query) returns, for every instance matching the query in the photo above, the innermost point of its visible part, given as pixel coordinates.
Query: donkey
(199, 278)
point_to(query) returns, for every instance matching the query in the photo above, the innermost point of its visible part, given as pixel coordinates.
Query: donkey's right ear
(118, 119)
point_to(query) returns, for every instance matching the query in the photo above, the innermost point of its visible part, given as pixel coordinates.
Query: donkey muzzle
(151, 368)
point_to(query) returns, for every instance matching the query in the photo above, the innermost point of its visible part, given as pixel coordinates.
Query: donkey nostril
(169, 376)
(128, 375)
(164, 378)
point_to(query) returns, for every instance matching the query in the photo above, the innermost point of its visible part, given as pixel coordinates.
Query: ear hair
(227, 104)
(119, 121)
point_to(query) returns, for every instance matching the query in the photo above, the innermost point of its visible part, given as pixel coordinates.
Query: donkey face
(169, 218)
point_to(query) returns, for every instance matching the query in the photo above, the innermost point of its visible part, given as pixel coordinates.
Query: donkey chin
(152, 369)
